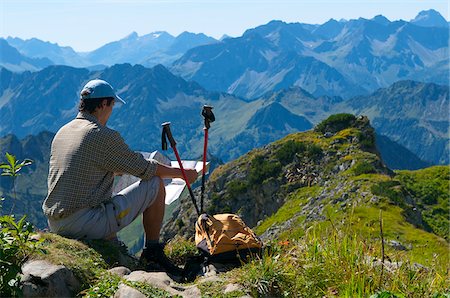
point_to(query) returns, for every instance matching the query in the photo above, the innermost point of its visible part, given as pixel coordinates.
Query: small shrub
(313, 151)
(179, 223)
(286, 153)
(389, 190)
(363, 167)
(335, 123)
(366, 140)
(179, 249)
(11, 169)
(261, 169)
(236, 187)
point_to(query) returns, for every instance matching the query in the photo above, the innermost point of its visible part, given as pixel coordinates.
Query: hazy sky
(88, 24)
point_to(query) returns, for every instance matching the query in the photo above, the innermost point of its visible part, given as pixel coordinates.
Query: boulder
(43, 279)
(120, 271)
(125, 291)
(162, 281)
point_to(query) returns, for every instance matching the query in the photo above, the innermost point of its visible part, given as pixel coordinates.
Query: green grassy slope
(319, 199)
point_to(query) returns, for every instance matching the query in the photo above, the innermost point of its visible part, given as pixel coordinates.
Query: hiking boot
(155, 260)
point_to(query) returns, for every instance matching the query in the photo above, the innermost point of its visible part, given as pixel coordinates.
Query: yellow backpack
(226, 238)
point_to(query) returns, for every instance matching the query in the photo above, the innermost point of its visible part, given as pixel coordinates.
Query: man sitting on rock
(85, 156)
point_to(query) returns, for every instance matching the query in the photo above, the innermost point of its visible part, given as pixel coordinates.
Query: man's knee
(161, 193)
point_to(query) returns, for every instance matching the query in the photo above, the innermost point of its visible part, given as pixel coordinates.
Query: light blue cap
(99, 89)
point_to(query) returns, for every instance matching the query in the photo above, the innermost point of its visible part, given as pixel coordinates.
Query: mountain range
(410, 113)
(337, 58)
(149, 50)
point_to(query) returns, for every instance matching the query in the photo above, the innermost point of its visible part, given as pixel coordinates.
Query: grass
(179, 249)
(215, 289)
(430, 188)
(293, 205)
(333, 258)
(335, 263)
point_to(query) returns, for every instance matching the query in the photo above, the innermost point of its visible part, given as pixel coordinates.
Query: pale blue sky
(88, 24)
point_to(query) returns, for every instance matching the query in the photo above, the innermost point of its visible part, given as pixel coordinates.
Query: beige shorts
(110, 217)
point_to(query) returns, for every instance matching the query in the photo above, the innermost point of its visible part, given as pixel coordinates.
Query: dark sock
(149, 243)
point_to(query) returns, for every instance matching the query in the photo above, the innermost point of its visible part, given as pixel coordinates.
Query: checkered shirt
(84, 157)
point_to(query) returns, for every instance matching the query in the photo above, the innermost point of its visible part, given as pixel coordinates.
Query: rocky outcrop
(256, 185)
(43, 279)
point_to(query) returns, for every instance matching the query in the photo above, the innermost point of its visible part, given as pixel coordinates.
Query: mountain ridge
(155, 95)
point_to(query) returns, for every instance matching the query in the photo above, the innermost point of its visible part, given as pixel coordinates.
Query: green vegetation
(109, 284)
(363, 167)
(337, 262)
(390, 189)
(327, 242)
(286, 153)
(335, 123)
(179, 249)
(15, 242)
(15, 248)
(236, 187)
(12, 169)
(262, 169)
(293, 205)
(215, 289)
(427, 191)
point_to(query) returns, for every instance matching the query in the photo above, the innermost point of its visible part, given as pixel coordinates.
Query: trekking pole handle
(168, 134)
(208, 115)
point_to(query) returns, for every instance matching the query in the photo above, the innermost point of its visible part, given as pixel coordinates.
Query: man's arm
(164, 171)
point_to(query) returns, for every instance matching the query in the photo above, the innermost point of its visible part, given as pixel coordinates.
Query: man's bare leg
(154, 214)
(153, 254)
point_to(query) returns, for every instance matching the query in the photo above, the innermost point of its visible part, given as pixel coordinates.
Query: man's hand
(191, 175)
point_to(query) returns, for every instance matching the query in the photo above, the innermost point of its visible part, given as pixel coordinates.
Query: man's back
(77, 178)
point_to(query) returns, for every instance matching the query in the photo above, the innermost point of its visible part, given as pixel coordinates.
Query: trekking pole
(208, 118)
(166, 133)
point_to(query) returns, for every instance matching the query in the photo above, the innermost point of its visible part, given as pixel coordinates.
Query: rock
(420, 267)
(162, 281)
(36, 237)
(209, 279)
(375, 200)
(125, 291)
(328, 134)
(120, 271)
(397, 245)
(389, 266)
(232, 288)
(43, 279)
